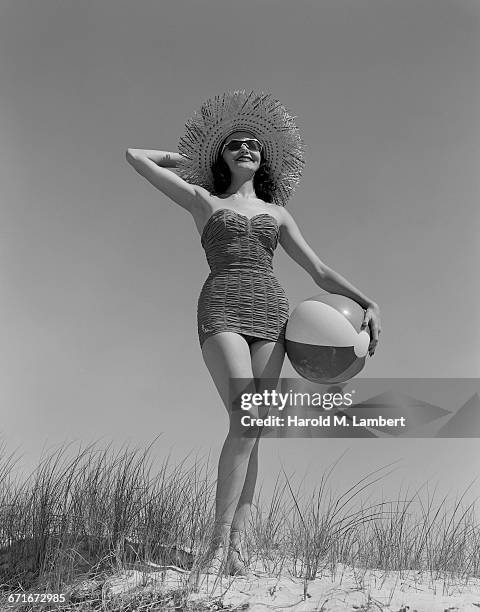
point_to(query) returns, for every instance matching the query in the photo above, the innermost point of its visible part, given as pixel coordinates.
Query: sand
(267, 587)
(346, 589)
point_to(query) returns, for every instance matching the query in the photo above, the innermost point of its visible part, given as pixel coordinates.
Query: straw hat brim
(258, 113)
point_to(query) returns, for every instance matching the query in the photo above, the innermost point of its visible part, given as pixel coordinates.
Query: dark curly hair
(262, 181)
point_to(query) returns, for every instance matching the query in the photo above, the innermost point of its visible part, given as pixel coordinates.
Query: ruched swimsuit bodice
(234, 242)
(241, 294)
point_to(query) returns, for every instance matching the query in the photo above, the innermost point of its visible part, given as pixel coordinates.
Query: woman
(239, 161)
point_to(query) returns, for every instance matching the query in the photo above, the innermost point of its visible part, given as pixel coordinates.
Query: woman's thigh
(267, 359)
(227, 357)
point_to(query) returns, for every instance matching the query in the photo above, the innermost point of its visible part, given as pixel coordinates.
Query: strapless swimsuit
(241, 294)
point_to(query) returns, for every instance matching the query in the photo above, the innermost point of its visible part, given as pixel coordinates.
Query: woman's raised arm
(158, 168)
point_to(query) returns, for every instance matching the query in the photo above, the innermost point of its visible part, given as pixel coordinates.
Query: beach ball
(324, 340)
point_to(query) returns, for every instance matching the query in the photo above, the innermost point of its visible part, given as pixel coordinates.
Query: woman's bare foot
(235, 565)
(216, 561)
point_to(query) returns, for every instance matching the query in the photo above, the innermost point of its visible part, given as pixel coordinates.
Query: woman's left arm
(296, 246)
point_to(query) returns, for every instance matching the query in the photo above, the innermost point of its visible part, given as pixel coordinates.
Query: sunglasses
(235, 145)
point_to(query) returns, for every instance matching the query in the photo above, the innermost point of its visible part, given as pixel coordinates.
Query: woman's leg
(267, 360)
(227, 357)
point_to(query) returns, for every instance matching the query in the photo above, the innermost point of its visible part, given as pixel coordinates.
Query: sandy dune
(346, 590)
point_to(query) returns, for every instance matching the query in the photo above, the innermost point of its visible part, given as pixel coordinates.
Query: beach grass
(79, 519)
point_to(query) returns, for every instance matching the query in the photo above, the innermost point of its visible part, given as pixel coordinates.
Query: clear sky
(100, 273)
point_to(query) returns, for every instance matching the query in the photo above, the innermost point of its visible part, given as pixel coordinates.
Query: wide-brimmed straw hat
(258, 113)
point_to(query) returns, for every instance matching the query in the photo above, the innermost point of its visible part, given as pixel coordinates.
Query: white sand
(360, 591)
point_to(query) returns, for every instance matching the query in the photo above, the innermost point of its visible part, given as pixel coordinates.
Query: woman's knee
(242, 441)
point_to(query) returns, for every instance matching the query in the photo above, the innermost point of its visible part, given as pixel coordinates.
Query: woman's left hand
(372, 320)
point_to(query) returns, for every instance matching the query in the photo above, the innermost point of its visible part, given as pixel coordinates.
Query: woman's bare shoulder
(282, 214)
